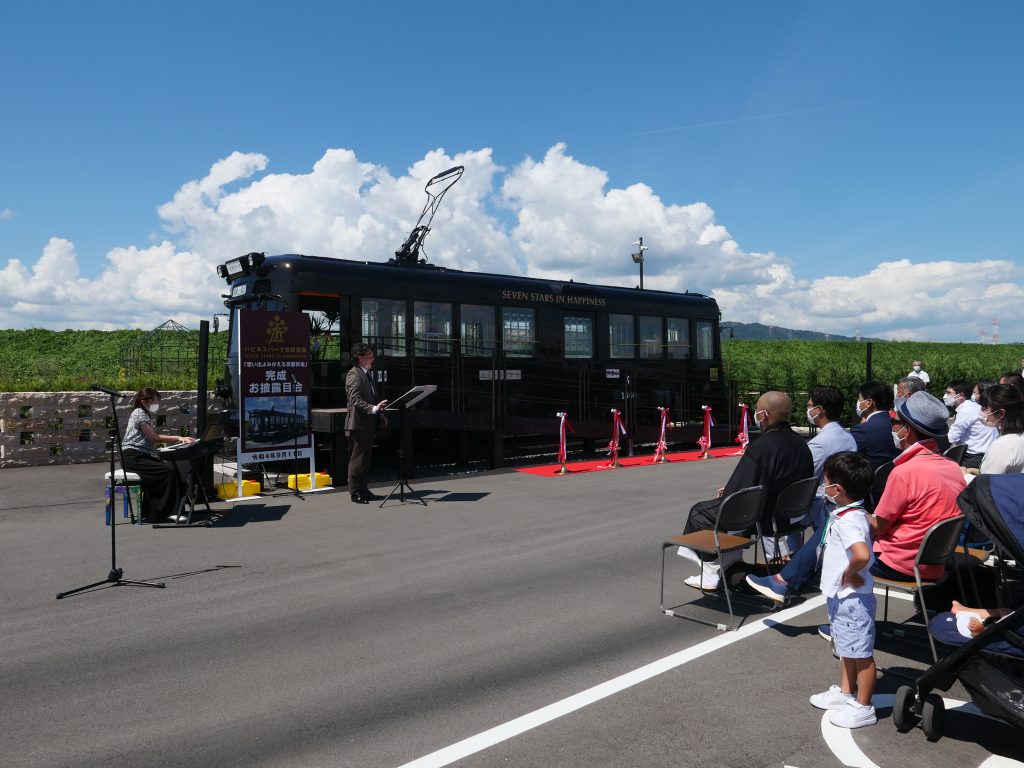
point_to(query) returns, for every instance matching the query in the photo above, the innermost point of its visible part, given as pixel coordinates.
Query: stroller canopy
(994, 504)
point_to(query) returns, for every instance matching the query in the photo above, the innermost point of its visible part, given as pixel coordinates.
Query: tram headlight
(241, 266)
(238, 290)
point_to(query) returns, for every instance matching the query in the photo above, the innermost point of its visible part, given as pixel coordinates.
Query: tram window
(579, 337)
(433, 323)
(650, 337)
(705, 340)
(517, 331)
(384, 326)
(620, 335)
(477, 330)
(678, 338)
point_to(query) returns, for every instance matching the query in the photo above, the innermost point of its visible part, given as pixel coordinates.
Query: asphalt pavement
(511, 621)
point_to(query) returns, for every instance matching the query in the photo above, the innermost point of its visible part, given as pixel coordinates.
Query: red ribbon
(617, 428)
(662, 448)
(563, 423)
(743, 437)
(705, 439)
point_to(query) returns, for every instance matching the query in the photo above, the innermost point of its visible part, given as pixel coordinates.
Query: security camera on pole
(638, 258)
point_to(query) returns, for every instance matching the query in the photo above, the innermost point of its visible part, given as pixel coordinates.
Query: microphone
(110, 392)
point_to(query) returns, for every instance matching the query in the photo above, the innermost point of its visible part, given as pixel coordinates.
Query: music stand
(403, 403)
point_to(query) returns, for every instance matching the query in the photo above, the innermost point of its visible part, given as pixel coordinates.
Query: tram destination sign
(274, 379)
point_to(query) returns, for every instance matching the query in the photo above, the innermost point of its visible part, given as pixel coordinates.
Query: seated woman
(162, 486)
(1002, 407)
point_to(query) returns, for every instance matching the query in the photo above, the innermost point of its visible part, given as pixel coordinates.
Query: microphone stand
(115, 574)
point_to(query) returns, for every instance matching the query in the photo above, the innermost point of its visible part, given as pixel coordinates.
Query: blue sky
(829, 142)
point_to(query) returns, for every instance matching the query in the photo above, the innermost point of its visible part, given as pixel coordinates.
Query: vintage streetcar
(506, 353)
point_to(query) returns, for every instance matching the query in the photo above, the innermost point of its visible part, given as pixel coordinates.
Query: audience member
(824, 407)
(921, 490)
(848, 588)
(1003, 408)
(776, 459)
(920, 373)
(907, 386)
(966, 428)
(1013, 379)
(980, 387)
(873, 435)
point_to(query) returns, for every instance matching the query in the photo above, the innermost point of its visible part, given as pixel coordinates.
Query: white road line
(539, 717)
(840, 740)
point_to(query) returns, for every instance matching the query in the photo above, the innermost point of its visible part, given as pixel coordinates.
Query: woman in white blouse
(1003, 407)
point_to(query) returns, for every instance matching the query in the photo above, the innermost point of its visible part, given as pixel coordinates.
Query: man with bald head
(777, 458)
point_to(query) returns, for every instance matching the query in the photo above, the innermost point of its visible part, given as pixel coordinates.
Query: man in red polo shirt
(921, 491)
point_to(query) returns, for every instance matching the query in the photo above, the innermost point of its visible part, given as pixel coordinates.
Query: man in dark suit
(873, 433)
(361, 421)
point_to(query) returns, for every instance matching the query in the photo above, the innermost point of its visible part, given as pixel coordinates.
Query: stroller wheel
(903, 709)
(933, 714)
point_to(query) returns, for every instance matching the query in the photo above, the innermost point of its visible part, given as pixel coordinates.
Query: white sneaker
(853, 715)
(689, 554)
(709, 583)
(833, 698)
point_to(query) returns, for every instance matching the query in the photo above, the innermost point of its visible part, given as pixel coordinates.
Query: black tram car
(506, 353)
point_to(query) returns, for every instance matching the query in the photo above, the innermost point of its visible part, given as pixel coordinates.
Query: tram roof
(329, 265)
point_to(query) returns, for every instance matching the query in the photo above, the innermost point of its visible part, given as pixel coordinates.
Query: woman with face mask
(162, 487)
(1002, 407)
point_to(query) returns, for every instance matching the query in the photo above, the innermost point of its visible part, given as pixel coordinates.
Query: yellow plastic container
(323, 480)
(230, 490)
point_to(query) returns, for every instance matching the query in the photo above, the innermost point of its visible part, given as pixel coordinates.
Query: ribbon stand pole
(705, 439)
(662, 449)
(743, 436)
(613, 446)
(563, 423)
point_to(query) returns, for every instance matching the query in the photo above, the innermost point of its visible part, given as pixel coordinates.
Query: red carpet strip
(601, 465)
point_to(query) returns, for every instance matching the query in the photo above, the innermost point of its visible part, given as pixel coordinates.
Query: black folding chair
(936, 549)
(956, 452)
(790, 514)
(879, 481)
(739, 512)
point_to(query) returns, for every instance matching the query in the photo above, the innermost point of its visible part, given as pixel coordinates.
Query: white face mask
(988, 420)
(861, 408)
(758, 421)
(154, 407)
(974, 398)
(810, 414)
(917, 369)
(949, 399)
(897, 440)
(828, 496)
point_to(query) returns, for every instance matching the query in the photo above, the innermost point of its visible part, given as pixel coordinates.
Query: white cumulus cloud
(555, 217)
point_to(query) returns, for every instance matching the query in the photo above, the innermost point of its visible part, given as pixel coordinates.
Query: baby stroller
(991, 665)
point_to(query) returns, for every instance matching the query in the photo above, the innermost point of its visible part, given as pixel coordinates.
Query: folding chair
(936, 549)
(956, 452)
(739, 511)
(790, 514)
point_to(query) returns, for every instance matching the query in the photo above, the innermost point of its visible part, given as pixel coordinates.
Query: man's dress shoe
(358, 498)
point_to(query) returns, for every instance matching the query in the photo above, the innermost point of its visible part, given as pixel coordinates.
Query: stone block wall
(38, 428)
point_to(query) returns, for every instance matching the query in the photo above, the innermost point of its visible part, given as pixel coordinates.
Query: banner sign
(274, 378)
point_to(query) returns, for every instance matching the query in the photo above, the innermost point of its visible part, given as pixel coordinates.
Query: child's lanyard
(839, 512)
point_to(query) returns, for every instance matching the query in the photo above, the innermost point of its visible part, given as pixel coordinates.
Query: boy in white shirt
(847, 585)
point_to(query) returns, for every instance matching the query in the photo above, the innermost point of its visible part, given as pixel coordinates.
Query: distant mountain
(759, 332)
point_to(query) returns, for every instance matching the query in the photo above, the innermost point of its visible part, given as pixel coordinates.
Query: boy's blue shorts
(853, 625)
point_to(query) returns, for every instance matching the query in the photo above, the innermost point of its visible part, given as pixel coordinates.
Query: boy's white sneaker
(833, 698)
(853, 715)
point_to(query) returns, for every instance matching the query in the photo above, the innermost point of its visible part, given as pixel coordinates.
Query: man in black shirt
(779, 457)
